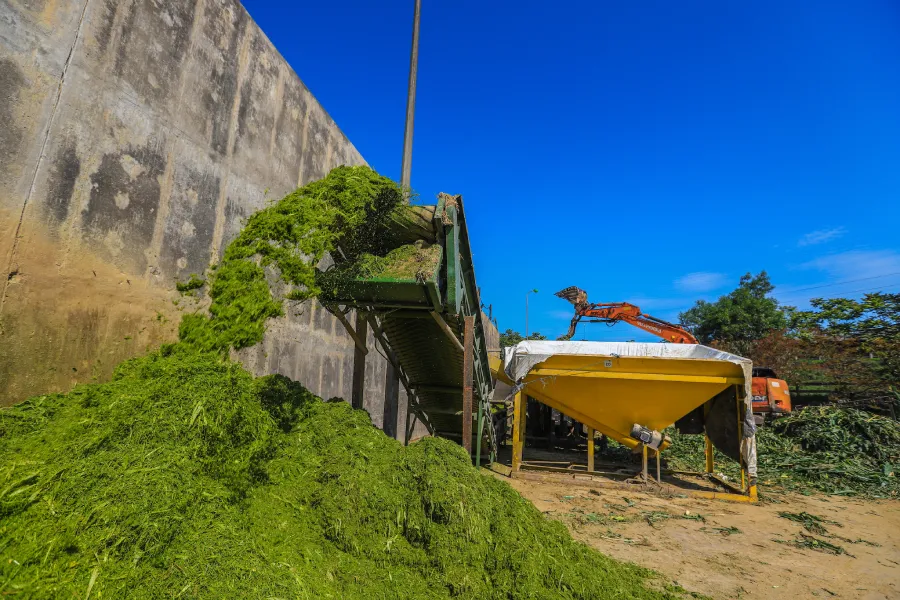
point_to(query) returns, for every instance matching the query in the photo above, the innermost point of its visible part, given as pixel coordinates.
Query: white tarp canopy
(518, 360)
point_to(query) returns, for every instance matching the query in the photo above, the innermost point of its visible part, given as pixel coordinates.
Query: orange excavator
(613, 312)
(770, 394)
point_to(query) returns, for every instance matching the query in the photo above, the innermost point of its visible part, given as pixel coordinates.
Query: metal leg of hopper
(547, 417)
(468, 368)
(710, 464)
(518, 432)
(590, 440)
(644, 461)
(740, 428)
(658, 470)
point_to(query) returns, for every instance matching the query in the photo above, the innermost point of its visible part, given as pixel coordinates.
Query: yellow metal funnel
(611, 386)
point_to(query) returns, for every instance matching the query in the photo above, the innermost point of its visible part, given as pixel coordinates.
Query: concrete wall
(135, 136)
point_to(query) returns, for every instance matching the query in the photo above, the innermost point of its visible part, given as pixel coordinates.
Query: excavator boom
(613, 312)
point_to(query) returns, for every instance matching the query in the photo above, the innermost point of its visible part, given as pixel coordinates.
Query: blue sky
(649, 152)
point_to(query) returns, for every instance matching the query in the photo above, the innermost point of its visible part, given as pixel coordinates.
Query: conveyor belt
(416, 319)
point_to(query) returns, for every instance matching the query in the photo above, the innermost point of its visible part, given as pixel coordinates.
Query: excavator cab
(771, 396)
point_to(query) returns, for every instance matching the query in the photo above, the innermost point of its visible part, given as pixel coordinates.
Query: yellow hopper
(610, 386)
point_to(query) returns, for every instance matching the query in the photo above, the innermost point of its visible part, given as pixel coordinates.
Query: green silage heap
(828, 449)
(186, 477)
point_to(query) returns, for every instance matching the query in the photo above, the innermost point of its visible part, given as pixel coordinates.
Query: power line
(816, 287)
(879, 288)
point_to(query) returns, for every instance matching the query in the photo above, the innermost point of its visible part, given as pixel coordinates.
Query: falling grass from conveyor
(348, 214)
(185, 476)
(834, 450)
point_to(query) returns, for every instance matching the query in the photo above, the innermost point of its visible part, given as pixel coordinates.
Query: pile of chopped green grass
(827, 448)
(186, 477)
(842, 431)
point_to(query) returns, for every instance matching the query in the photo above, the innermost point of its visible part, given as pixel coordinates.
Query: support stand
(590, 445)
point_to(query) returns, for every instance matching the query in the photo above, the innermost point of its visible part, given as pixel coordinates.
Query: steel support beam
(447, 331)
(468, 367)
(359, 361)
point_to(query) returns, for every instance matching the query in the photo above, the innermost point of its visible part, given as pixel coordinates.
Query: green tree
(510, 337)
(876, 316)
(872, 324)
(851, 346)
(735, 320)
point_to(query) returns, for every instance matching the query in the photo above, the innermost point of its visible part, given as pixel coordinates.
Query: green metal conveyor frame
(420, 322)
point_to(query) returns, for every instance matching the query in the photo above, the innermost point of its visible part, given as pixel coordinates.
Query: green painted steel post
(468, 364)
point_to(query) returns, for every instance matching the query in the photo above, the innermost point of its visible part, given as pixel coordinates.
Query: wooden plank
(468, 367)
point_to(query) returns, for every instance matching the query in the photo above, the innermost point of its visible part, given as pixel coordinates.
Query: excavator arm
(613, 312)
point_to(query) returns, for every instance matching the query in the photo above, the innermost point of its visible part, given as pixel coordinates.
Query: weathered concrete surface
(135, 137)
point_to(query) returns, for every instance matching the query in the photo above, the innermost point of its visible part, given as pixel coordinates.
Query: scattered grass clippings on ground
(813, 543)
(726, 531)
(811, 523)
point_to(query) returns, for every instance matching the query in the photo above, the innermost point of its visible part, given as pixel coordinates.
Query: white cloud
(821, 236)
(857, 264)
(701, 281)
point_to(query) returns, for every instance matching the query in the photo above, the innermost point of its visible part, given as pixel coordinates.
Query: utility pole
(392, 378)
(406, 169)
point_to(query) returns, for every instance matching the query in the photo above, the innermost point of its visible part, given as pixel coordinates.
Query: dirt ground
(733, 550)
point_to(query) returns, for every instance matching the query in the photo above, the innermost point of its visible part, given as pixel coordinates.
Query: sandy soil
(689, 540)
